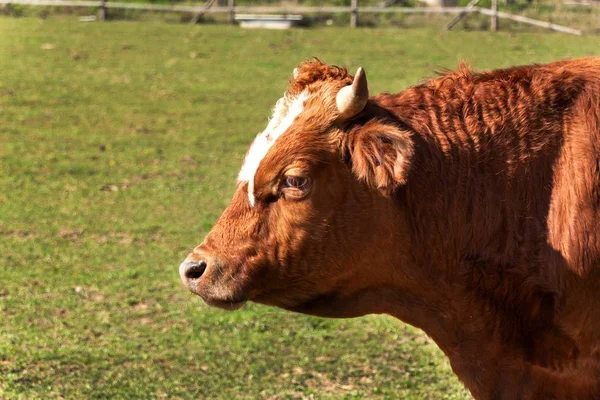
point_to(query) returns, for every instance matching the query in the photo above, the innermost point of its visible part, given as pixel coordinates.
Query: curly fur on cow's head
(313, 74)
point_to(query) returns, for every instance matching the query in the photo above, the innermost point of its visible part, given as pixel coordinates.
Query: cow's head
(315, 224)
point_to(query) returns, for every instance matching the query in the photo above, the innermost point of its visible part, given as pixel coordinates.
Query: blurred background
(120, 142)
(515, 15)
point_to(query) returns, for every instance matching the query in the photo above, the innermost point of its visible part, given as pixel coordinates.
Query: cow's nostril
(195, 269)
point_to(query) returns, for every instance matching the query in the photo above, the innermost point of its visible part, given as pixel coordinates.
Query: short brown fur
(468, 206)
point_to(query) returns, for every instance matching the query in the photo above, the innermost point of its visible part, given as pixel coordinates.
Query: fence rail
(353, 10)
(244, 9)
(531, 21)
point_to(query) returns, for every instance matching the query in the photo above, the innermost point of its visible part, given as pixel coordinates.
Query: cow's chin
(225, 304)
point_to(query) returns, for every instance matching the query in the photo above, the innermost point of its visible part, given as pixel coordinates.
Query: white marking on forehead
(284, 114)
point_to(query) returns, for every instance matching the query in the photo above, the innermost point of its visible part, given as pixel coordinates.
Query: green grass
(119, 146)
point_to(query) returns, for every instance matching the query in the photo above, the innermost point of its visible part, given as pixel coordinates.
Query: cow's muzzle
(202, 274)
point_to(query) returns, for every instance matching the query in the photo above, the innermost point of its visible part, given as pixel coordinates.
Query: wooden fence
(354, 10)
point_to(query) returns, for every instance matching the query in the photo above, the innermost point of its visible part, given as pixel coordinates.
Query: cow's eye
(296, 182)
(294, 187)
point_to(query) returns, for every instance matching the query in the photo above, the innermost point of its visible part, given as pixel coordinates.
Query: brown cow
(468, 206)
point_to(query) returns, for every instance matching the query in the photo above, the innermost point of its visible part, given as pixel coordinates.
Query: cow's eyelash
(295, 182)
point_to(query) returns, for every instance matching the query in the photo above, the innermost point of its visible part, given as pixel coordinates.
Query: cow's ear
(380, 154)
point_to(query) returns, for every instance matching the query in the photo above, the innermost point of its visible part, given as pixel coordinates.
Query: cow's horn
(352, 99)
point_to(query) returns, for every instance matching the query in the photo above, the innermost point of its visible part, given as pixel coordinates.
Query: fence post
(231, 11)
(494, 21)
(354, 14)
(102, 10)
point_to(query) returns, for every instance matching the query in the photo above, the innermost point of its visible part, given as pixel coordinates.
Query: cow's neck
(495, 308)
(491, 366)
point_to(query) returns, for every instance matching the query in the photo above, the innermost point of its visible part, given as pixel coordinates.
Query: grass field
(119, 147)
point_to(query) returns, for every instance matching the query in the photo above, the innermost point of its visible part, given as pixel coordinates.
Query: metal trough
(269, 21)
